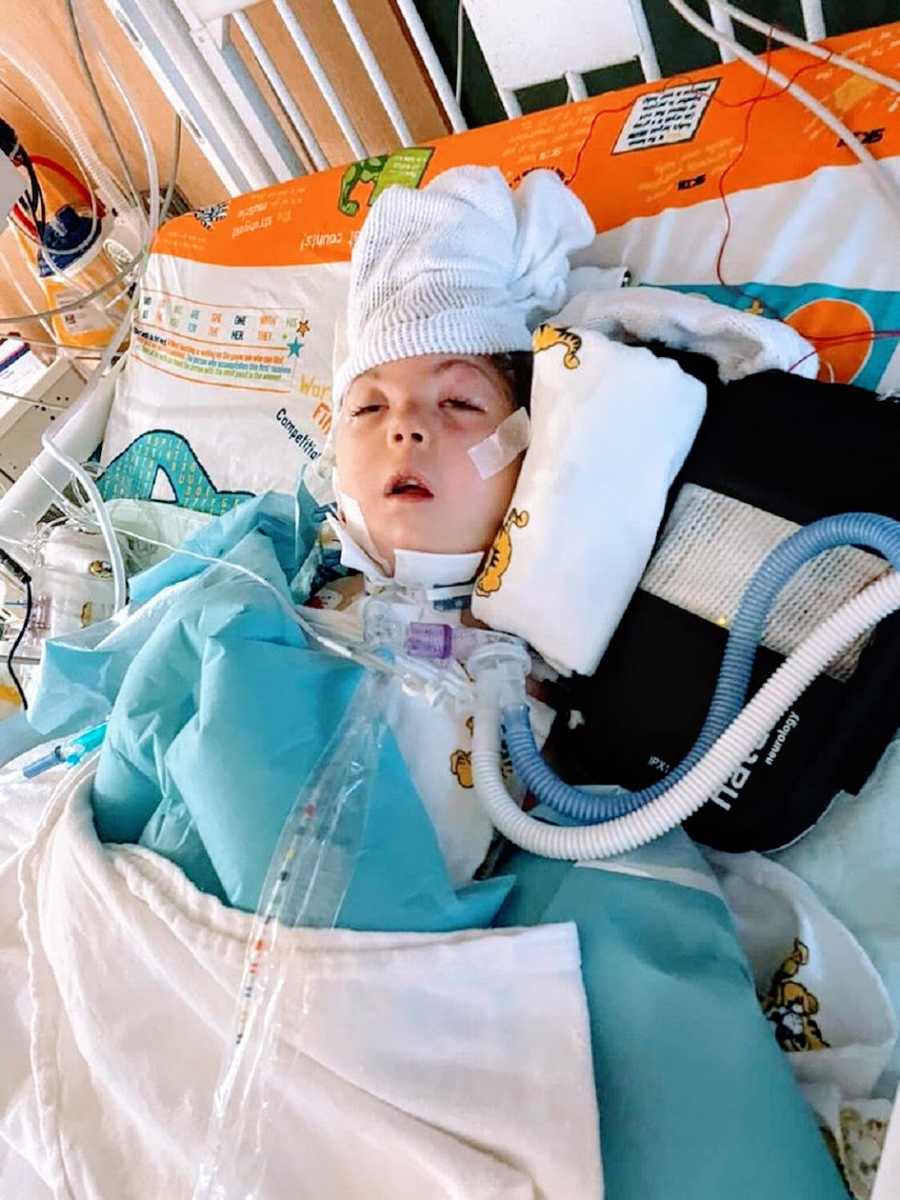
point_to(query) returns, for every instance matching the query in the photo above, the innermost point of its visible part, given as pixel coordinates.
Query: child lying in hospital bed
(690, 1082)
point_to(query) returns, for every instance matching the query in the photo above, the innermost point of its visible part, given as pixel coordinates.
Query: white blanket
(611, 426)
(432, 1066)
(739, 342)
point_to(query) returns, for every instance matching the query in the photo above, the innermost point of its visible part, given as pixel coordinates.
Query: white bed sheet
(852, 861)
(443, 1066)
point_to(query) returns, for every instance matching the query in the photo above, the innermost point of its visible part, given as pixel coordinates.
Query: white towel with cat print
(828, 1007)
(610, 427)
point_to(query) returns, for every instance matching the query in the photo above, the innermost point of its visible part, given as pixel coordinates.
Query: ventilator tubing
(678, 798)
(858, 529)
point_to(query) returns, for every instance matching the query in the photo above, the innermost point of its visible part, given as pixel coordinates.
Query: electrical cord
(36, 204)
(54, 99)
(21, 576)
(34, 227)
(69, 146)
(460, 43)
(88, 196)
(883, 182)
(176, 163)
(10, 658)
(33, 403)
(33, 202)
(788, 39)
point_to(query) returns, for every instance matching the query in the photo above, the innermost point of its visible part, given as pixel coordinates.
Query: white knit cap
(462, 266)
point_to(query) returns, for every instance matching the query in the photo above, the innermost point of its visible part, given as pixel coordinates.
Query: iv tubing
(112, 545)
(788, 39)
(857, 529)
(136, 262)
(98, 101)
(113, 549)
(110, 193)
(879, 177)
(831, 638)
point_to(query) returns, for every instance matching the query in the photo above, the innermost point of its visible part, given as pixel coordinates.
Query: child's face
(402, 453)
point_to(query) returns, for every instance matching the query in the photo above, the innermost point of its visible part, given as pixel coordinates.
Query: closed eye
(459, 403)
(365, 408)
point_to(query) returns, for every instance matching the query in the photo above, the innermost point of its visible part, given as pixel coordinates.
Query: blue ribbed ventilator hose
(856, 529)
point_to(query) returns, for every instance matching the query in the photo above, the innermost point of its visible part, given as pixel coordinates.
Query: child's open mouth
(408, 486)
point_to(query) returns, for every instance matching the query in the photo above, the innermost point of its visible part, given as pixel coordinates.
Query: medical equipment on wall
(104, 232)
(72, 243)
(33, 395)
(126, 244)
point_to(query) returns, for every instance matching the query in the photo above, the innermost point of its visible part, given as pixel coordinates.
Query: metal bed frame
(188, 46)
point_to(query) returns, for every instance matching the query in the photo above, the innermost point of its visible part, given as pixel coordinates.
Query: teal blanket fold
(218, 709)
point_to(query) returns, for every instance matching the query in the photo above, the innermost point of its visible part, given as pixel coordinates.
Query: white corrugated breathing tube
(500, 682)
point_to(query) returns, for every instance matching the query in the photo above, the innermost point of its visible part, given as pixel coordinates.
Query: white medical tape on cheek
(503, 446)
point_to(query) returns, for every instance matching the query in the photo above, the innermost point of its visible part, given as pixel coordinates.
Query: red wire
(750, 104)
(41, 160)
(754, 100)
(854, 337)
(844, 339)
(601, 112)
(20, 216)
(25, 223)
(750, 101)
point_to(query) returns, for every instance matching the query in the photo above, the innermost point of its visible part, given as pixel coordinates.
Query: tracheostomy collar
(412, 568)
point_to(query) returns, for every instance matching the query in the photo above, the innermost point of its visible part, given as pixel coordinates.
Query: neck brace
(353, 534)
(412, 568)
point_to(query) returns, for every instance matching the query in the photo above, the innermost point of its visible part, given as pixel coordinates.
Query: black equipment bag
(780, 447)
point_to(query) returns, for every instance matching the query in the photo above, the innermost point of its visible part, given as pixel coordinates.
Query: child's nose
(408, 425)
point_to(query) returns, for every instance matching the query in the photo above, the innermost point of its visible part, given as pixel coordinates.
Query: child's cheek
(350, 461)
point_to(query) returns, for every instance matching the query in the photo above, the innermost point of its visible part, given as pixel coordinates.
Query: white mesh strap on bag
(710, 549)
